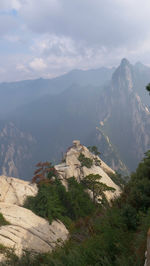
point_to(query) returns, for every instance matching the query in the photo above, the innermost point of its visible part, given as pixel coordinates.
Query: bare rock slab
(15, 191)
(29, 232)
(72, 167)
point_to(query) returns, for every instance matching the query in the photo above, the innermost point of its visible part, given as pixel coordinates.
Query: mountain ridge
(78, 112)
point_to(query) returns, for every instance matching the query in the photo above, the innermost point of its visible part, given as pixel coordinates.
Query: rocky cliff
(72, 167)
(125, 120)
(16, 150)
(114, 117)
(29, 232)
(25, 231)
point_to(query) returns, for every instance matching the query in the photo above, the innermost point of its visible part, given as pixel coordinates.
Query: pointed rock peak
(123, 68)
(138, 64)
(123, 76)
(124, 62)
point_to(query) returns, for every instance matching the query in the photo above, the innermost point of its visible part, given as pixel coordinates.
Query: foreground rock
(29, 232)
(72, 167)
(15, 191)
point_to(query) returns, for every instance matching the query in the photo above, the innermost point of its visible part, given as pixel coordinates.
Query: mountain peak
(122, 77)
(139, 66)
(138, 63)
(124, 62)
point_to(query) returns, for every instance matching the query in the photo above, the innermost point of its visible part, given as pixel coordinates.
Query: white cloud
(12, 38)
(10, 4)
(48, 44)
(49, 37)
(37, 64)
(22, 68)
(7, 24)
(100, 23)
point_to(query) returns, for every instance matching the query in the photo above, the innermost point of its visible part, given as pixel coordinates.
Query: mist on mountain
(103, 107)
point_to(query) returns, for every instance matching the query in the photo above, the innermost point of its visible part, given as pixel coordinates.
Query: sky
(47, 38)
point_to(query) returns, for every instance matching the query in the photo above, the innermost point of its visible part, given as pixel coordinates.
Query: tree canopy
(94, 150)
(98, 188)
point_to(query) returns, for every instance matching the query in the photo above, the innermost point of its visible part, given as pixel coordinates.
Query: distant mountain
(141, 77)
(107, 112)
(126, 118)
(16, 94)
(16, 150)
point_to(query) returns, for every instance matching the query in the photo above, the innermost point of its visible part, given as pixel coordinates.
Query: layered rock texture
(26, 231)
(125, 118)
(72, 167)
(29, 232)
(16, 148)
(15, 191)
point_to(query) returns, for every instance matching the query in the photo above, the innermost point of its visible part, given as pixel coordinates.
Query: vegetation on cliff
(3, 220)
(98, 188)
(54, 202)
(99, 235)
(87, 162)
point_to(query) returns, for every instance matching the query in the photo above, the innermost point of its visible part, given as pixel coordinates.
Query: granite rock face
(72, 167)
(29, 232)
(16, 148)
(15, 191)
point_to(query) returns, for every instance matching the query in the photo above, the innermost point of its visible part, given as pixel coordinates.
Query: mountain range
(105, 107)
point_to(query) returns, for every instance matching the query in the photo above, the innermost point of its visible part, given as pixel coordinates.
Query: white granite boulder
(72, 167)
(15, 191)
(29, 232)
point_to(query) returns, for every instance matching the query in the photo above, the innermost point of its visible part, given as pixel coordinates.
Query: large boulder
(15, 191)
(72, 167)
(29, 232)
(26, 231)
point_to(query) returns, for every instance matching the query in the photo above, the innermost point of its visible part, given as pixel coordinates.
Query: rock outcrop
(15, 191)
(28, 231)
(16, 148)
(72, 167)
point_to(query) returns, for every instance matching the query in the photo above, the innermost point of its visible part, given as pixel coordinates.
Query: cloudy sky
(46, 38)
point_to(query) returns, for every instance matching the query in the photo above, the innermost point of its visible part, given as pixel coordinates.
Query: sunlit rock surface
(72, 167)
(15, 191)
(29, 232)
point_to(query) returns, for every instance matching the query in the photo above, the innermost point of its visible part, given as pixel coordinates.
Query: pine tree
(98, 188)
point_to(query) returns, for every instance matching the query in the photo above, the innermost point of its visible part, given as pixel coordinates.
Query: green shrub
(54, 202)
(97, 162)
(77, 201)
(94, 150)
(47, 203)
(3, 220)
(87, 162)
(113, 235)
(117, 179)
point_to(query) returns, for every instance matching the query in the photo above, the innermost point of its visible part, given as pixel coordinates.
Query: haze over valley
(106, 107)
(74, 133)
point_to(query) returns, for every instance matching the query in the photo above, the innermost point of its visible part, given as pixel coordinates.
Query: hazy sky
(46, 38)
